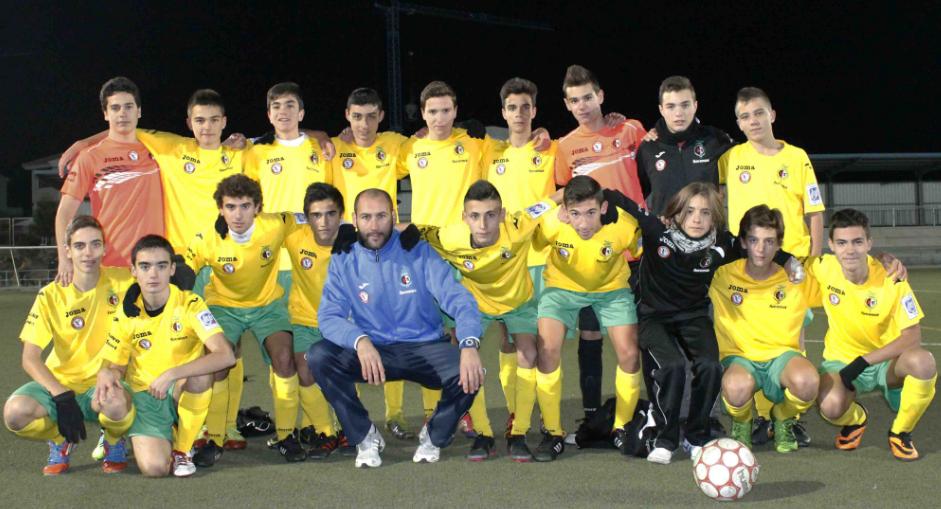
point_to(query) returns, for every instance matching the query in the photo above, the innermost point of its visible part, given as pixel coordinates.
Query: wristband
(469, 343)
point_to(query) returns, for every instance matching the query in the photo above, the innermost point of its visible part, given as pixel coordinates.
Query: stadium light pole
(393, 10)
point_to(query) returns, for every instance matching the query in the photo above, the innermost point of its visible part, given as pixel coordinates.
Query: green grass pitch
(258, 477)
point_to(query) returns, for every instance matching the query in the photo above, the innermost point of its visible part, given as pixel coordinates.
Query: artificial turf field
(258, 477)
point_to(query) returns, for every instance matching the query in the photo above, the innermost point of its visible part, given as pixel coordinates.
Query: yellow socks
(763, 405)
(42, 428)
(738, 413)
(395, 397)
(191, 414)
(114, 430)
(854, 416)
(508, 379)
(218, 405)
(284, 392)
(627, 390)
(316, 410)
(549, 395)
(916, 396)
(478, 412)
(790, 407)
(429, 399)
(236, 382)
(525, 400)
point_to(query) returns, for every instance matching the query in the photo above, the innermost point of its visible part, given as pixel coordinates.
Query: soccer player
(156, 346)
(608, 155)
(586, 268)
(523, 175)
(121, 178)
(759, 315)
(75, 318)
(309, 242)
(684, 151)
(244, 294)
(379, 312)
(873, 340)
(765, 170)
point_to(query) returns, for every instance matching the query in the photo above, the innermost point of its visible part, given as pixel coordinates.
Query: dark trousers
(435, 365)
(665, 347)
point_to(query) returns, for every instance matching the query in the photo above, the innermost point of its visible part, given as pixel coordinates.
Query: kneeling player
(156, 344)
(586, 268)
(758, 319)
(873, 341)
(75, 318)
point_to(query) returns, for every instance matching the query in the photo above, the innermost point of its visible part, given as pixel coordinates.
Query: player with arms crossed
(156, 345)
(75, 318)
(873, 341)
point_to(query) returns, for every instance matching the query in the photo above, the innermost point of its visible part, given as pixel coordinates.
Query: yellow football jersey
(759, 320)
(356, 168)
(495, 275)
(594, 265)
(76, 323)
(189, 176)
(309, 273)
(862, 318)
(441, 172)
(149, 345)
(285, 169)
(785, 181)
(523, 176)
(243, 275)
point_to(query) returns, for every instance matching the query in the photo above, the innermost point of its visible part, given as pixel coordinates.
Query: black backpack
(595, 433)
(254, 422)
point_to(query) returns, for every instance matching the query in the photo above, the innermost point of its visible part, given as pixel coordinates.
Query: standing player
(873, 341)
(121, 178)
(523, 175)
(156, 345)
(243, 294)
(606, 154)
(758, 320)
(75, 318)
(765, 170)
(586, 268)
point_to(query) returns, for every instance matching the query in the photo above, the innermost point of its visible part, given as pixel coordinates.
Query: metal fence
(27, 266)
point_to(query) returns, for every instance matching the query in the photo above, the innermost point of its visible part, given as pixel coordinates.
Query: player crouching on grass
(873, 341)
(156, 345)
(758, 319)
(75, 318)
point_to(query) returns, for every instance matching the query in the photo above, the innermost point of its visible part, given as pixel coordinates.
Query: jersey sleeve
(562, 171)
(334, 312)
(201, 320)
(401, 163)
(907, 312)
(649, 223)
(81, 177)
(812, 294)
(633, 245)
(195, 253)
(159, 142)
(250, 163)
(525, 222)
(36, 330)
(548, 230)
(724, 166)
(117, 348)
(451, 295)
(813, 200)
(326, 166)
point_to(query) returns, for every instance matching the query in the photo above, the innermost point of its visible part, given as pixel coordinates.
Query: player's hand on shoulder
(409, 237)
(894, 268)
(795, 270)
(421, 133)
(346, 135)
(64, 274)
(542, 141)
(346, 238)
(614, 119)
(651, 135)
(235, 141)
(70, 155)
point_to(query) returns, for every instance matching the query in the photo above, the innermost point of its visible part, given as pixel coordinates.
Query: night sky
(860, 80)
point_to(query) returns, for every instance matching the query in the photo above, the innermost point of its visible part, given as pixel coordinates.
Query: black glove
(184, 277)
(853, 370)
(69, 417)
(130, 298)
(409, 237)
(346, 237)
(221, 227)
(610, 215)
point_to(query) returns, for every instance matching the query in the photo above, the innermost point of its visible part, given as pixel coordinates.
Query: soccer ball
(725, 469)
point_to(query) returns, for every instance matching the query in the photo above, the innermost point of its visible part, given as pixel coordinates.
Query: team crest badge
(380, 154)
(78, 323)
(313, 158)
(113, 299)
(871, 301)
(706, 261)
(459, 149)
(501, 169)
(225, 159)
(189, 167)
(663, 252)
(617, 143)
(228, 268)
(364, 297)
(405, 279)
(133, 155)
(537, 160)
(745, 177)
(597, 146)
(779, 294)
(834, 299)
(737, 298)
(469, 265)
(422, 162)
(177, 326)
(145, 344)
(306, 263)
(782, 173)
(564, 253)
(606, 249)
(699, 150)
(347, 163)
(660, 164)
(266, 253)
(276, 168)
(505, 253)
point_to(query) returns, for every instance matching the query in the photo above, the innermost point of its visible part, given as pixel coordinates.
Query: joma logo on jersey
(744, 167)
(738, 288)
(227, 259)
(113, 159)
(74, 312)
(144, 334)
(835, 290)
(274, 160)
(307, 253)
(189, 158)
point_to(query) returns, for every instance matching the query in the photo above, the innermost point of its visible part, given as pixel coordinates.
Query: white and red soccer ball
(725, 469)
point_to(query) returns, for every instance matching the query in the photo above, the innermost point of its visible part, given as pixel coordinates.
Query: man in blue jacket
(379, 311)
